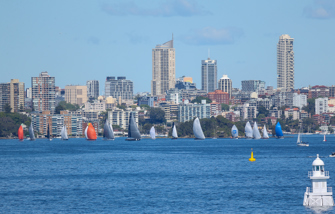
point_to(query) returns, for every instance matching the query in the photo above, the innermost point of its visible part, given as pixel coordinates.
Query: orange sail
(20, 133)
(91, 134)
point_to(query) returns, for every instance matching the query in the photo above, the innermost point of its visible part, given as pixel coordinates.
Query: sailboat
(48, 134)
(133, 132)
(265, 133)
(31, 132)
(90, 132)
(255, 132)
(152, 133)
(279, 132)
(108, 131)
(63, 133)
(20, 133)
(299, 140)
(324, 138)
(248, 130)
(174, 132)
(234, 131)
(197, 130)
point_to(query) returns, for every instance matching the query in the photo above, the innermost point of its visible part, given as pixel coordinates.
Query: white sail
(111, 131)
(255, 132)
(86, 131)
(248, 130)
(63, 133)
(152, 133)
(31, 132)
(108, 131)
(298, 140)
(234, 131)
(174, 132)
(265, 133)
(197, 131)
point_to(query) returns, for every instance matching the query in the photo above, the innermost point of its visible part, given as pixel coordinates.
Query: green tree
(157, 115)
(7, 108)
(262, 110)
(224, 107)
(332, 121)
(62, 105)
(310, 108)
(145, 106)
(199, 98)
(123, 107)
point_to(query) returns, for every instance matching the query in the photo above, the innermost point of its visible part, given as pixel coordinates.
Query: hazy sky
(82, 40)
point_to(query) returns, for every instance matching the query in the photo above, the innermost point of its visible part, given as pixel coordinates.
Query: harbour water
(159, 176)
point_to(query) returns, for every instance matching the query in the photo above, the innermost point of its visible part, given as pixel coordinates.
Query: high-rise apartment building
(92, 89)
(321, 105)
(76, 94)
(43, 92)
(285, 63)
(163, 68)
(120, 87)
(225, 85)
(253, 85)
(208, 75)
(12, 94)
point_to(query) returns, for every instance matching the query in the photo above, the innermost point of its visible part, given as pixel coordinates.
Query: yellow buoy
(252, 159)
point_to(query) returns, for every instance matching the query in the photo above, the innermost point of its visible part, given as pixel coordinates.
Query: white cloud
(321, 9)
(213, 36)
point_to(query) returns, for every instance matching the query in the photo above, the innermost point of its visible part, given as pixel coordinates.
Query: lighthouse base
(312, 200)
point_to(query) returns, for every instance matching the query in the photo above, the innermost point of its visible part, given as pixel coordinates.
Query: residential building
(121, 117)
(43, 92)
(282, 98)
(232, 116)
(92, 89)
(332, 91)
(95, 106)
(166, 108)
(299, 100)
(41, 121)
(275, 112)
(185, 83)
(269, 120)
(188, 111)
(303, 114)
(120, 87)
(163, 68)
(219, 96)
(318, 91)
(225, 84)
(292, 112)
(247, 112)
(321, 105)
(13, 94)
(285, 63)
(215, 108)
(253, 85)
(29, 93)
(208, 75)
(76, 94)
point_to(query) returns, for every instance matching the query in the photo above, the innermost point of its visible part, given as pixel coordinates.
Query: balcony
(324, 173)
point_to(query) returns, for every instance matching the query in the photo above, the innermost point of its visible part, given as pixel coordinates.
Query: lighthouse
(319, 195)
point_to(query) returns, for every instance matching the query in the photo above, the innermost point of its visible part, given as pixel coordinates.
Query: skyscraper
(120, 87)
(208, 75)
(163, 68)
(285, 63)
(12, 94)
(253, 85)
(92, 89)
(225, 85)
(43, 92)
(76, 94)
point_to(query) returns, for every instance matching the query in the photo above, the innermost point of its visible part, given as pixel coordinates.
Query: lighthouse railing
(321, 173)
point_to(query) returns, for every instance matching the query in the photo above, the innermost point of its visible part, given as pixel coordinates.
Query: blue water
(159, 176)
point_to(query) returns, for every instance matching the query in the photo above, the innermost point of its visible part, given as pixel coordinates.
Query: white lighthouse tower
(319, 195)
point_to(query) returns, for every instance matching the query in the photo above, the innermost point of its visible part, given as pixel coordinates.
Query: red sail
(91, 134)
(20, 133)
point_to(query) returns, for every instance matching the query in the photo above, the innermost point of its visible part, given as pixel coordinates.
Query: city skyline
(244, 45)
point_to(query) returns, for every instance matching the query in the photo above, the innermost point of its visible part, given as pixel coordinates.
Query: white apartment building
(95, 106)
(121, 118)
(225, 84)
(321, 105)
(189, 111)
(299, 100)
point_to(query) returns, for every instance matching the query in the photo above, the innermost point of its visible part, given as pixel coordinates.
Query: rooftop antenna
(209, 53)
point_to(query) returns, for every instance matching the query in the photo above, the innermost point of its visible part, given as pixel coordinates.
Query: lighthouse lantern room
(319, 195)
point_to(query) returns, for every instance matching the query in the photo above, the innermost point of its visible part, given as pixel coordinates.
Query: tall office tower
(119, 87)
(12, 94)
(253, 85)
(43, 92)
(76, 94)
(92, 88)
(208, 75)
(285, 63)
(225, 85)
(163, 68)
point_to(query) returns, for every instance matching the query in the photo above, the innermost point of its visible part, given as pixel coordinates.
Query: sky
(76, 41)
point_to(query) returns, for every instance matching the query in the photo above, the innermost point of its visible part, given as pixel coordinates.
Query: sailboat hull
(174, 138)
(199, 138)
(132, 139)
